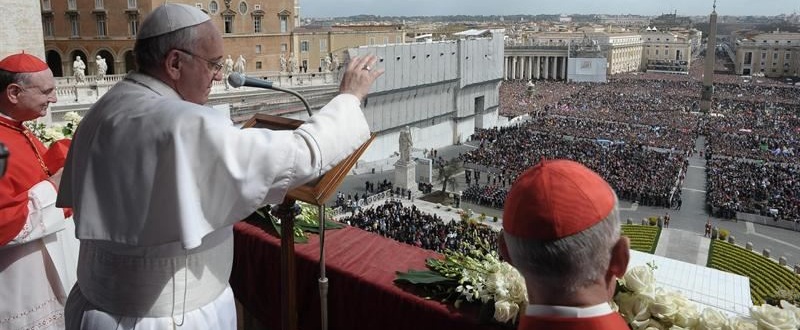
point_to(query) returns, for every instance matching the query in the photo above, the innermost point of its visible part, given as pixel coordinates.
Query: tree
(447, 171)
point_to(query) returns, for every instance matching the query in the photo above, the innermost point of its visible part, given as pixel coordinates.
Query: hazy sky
(334, 8)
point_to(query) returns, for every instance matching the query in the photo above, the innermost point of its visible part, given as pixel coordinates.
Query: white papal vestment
(156, 184)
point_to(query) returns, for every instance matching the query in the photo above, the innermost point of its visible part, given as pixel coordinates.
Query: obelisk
(711, 54)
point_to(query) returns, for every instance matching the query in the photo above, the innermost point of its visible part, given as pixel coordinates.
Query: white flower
(712, 319)
(72, 117)
(517, 292)
(649, 324)
(792, 308)
(741, 324)
(634, 307)
(505, 311)
(640, 280)
(687, 315)
(664, 305)
(52, 133)
(773, 318)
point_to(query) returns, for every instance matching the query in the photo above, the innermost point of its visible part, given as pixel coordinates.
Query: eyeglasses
(215, 67)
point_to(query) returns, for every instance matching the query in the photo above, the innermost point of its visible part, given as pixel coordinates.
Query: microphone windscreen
(236, 79)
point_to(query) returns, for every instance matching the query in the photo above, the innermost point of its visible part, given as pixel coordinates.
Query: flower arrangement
(645, 306)
(50, 134)
(477, 276)
(305, 222)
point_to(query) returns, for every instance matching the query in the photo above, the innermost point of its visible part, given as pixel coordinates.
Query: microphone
(237, 80)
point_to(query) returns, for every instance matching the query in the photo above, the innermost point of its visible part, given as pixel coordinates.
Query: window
(284, 48)
(385, 40)
(72, 5)
(284, 23)
(257, 24)
(763, 56)
(748, 58)
(213, 7)
(132, 4)
(258, 65)
(46, 5)
(323, 45)
(258, 49)
(47, 25)
(398, 39)
(774, 56)
(656, 52)
(133, 25)
(98, 4)
(228, 24)
(74, 25)
(371, 41)
(304, 46)
(101, 25)
(788, 56)
(243, 7)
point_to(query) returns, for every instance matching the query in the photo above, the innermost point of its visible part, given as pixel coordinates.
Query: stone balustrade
(73, 96)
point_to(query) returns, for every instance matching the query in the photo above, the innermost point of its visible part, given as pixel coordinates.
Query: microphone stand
(323, 281)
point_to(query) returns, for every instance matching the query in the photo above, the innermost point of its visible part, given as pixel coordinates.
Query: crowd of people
(768, 189)
(605, 126)
(412, 226)
(637, 173)
(490, 195)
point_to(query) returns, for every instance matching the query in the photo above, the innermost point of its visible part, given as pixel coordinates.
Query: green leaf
(421, 277)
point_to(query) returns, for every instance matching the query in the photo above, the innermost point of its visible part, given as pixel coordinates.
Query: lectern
(316, 192)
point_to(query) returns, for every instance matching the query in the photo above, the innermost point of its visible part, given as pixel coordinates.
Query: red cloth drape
(361, 268)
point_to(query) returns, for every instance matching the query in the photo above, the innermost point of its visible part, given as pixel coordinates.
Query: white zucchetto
(171, 17)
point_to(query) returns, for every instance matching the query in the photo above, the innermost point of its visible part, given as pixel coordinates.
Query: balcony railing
(72, 93)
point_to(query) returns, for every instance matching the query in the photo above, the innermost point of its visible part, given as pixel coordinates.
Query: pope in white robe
(156, 181)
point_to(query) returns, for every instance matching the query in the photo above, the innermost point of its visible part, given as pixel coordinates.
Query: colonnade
(535, 67)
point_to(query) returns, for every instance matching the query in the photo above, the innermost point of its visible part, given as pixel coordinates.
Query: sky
(337, 8)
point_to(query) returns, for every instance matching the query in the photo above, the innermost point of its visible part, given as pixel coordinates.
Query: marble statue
(406, 143)
(283, 63)
(78, 66)
(102, 67)
(327, 64)
(240, 65)
(335, 63)
(292, 63)
(227, 68)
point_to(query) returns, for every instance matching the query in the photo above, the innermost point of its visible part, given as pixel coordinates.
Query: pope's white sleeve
(44, 218)
(331, 135)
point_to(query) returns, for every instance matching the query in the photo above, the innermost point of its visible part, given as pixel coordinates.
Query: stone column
(564, 62)
(530, 67)
(537, 67)
(505, 67)
(546, 67)
(554, 68)
(513, 68)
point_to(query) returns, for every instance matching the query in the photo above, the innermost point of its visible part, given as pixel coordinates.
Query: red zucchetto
(22, 63)
(556, 199)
